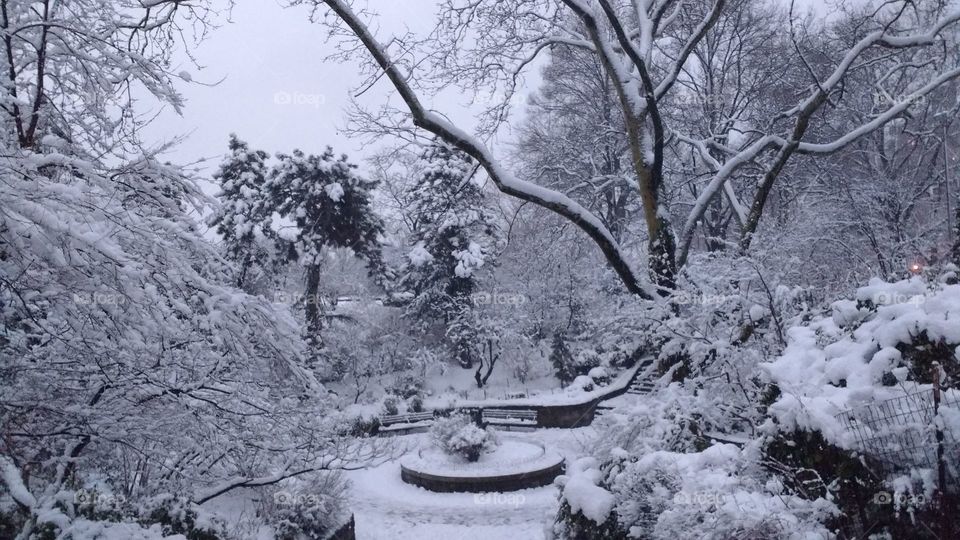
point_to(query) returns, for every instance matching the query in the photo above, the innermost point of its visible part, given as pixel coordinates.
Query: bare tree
(645, 48)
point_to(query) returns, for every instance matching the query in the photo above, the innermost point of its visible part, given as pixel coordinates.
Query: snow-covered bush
(308, 510)
(405, 387)
(415, 404)
(391, 405)
(582, 382)
(877, 348)
(599, 375)
(718, 493)
(364, 426)
(585, 360)
(177, 515)
(458, 435)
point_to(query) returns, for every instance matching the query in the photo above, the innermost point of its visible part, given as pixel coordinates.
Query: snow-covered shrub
(309, 511)
(405, 387)
(391, 405)
(599, 375)
(718, 493)
(873, 348)
(458, 435)
(415, 404)
(582, 382)
(586, 508)
(585, 360)
(177, 515)
(100, 504)
(365, 426)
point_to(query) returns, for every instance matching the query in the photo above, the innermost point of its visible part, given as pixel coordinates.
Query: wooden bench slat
(510, 415)
(406, 418)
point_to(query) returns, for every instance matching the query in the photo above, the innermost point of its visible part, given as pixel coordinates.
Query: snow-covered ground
(385, 507)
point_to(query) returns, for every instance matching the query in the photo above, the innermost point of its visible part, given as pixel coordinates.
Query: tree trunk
(312, 308)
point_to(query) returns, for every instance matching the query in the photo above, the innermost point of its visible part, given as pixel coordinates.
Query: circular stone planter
(514, 465)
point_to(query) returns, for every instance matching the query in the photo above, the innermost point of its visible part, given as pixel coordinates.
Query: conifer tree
(454, 238)
(562, 359)
(323, 203)
(241, 177)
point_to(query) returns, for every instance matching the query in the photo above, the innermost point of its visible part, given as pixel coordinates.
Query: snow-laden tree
(574, 140)
(322, 204)
(242, 176)
(647, 49)
(127, 358)
(454, 237)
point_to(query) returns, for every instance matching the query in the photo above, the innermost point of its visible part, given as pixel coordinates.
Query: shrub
(100, 505)
(405, 387)
(458, 435)
(599, 375)
(415, 404)
(312, 511)
(583, 382)
(390, 405)
(177, 515)
(365, 427)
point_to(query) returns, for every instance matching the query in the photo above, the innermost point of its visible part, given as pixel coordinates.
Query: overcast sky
(278, 92)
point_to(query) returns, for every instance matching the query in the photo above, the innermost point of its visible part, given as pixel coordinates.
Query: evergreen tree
(241, 177)
(452, 240)
(562, 360)
(454, 237)
(322, 203)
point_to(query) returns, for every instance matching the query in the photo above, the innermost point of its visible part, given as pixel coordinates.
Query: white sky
(265, 51)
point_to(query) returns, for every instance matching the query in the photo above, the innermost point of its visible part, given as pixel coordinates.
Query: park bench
(512, 417)
(408, 418)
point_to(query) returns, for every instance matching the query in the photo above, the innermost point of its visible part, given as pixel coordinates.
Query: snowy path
(387, 508)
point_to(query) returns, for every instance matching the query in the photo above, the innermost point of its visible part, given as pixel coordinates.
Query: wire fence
(912, 431)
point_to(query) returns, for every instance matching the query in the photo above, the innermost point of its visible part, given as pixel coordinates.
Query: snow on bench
(409, 418)
(510, 416)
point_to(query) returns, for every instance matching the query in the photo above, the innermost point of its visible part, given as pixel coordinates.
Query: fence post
(941, 466)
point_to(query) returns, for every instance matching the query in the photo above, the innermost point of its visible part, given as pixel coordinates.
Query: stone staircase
(642, 385)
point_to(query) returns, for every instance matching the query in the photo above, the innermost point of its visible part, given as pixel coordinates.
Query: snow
(419, 255)
(512, 456)
(568, 396)
(386, 508)
(334, 190)
(836, 362)
(582, 493)
(598, 372)
(14, 483)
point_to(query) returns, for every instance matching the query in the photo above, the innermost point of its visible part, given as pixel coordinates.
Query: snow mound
(582, 493)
